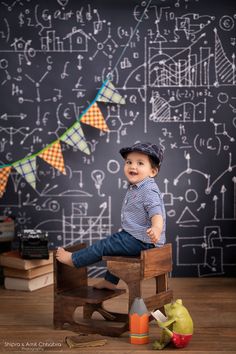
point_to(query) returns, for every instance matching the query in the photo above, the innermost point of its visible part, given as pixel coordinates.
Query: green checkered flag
(75, 137)
(27, 168)
(109, 93)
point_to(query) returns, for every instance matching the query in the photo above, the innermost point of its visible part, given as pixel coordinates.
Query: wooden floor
(26, 319)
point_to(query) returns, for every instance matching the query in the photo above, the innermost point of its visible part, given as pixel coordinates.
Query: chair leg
(134, 291)
(161, 286)
(57, 317)
(161, 283)
(63, 313)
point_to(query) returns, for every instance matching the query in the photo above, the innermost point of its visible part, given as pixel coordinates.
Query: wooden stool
(71, 290)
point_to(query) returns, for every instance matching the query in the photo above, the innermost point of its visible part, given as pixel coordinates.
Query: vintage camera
(33, 244)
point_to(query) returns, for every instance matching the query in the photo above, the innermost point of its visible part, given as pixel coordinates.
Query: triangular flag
(109, 93)
(75, 137)
(94, 117)
(4, 174)
(27, 168)
(53, 156)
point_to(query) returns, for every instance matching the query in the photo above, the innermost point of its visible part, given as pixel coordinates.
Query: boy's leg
(118, 244)
(92, 254)
(129, 247)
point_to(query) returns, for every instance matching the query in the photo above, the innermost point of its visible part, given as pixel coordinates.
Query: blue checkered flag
(27, 168)
(75, 137)
(110, 94)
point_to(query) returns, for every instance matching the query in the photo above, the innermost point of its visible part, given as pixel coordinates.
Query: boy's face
(138, 167)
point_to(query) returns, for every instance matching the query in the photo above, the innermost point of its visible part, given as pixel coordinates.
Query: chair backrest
(156, 261)
(66, 277)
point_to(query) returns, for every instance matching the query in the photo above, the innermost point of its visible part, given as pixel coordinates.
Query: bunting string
(73, 136)
(102, 92)
(109, 75)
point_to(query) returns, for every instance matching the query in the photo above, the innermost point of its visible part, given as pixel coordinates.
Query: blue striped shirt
(142, 201)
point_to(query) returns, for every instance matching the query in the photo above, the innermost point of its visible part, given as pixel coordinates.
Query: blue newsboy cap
(155, 152)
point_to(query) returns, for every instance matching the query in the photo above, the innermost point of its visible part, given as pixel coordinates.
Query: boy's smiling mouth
(132, 173)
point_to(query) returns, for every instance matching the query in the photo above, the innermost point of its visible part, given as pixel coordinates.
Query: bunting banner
(109, 93)
(27, 168)
(93, 116)
(53, 156)
(74, 136)
(4, 174)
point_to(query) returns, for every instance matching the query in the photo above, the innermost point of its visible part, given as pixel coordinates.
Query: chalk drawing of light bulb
(98, 177)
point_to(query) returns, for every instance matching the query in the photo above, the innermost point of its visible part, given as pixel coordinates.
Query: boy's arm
(154, 232)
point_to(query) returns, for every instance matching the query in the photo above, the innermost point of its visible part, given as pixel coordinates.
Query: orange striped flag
(94, 117)
(53, 156)
(4, 174)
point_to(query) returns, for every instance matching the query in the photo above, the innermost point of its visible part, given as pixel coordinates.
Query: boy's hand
(154, 234)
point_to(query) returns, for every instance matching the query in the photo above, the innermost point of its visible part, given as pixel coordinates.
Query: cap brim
(126, 150)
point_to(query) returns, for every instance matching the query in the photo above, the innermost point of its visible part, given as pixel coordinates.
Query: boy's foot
(105, 284)
(64, 256)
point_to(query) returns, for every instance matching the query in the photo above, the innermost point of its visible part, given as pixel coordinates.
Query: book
(27, 273)
(7, 229)
(28, 284)
(12, 259)
(84, 340)
(158, 315)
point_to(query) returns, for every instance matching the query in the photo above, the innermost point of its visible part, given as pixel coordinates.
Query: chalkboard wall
(174, 63)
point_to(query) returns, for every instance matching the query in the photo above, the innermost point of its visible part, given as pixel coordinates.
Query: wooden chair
(71, 290)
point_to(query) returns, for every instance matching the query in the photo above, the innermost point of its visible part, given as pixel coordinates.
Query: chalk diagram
(176, 70)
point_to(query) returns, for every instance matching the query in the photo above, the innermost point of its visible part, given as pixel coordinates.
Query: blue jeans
(118, 244)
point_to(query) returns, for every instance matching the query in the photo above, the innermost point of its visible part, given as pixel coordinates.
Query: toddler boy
(143, 218)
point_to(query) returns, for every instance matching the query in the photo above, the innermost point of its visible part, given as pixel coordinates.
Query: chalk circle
(226, 23)
(100, 46)
(171, 213)
(54, 206)
(223, 97)
(31, 52)
(113, 166)
(191, 196)
(3, 64)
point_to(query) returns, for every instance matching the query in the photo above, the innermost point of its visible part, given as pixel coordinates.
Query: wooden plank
(65, 277)
(121, 259)
(90, 295)
(129, 271)
(156, 261)
(157, 301)
(27, 318)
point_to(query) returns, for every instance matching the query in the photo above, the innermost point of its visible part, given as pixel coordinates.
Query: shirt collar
(139, 184)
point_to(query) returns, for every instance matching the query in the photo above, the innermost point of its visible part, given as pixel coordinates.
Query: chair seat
(91, 295)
